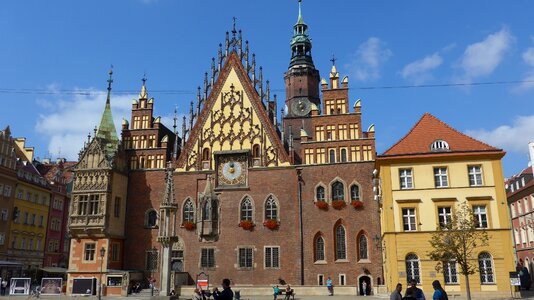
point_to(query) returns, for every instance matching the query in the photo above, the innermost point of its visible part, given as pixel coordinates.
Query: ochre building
(424, 177)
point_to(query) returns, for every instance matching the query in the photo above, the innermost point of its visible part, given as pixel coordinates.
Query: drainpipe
(301, 226)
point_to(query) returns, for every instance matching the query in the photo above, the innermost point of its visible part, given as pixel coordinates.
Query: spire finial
(300, 11)
(175, 118)
(110, 80)
(143, 94)
(233, 30)
(333, 60)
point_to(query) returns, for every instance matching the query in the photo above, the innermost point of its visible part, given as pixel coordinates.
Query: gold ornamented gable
(233, 119)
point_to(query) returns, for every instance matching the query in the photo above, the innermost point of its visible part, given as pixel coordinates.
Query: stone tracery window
(338, 192)
(271, 209)
(246, 210)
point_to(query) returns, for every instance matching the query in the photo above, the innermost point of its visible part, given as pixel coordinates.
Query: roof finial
(233, 30)
(300, 11)
(110, 80)
(143, 94)
(333, 60)
(175, 118)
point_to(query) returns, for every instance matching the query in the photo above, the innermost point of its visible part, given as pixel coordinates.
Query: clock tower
(302, 85)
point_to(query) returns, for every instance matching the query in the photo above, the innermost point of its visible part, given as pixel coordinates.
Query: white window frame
(406, 179)
(485, 263)
(409, 219)
(475, 175)
(450, 271)
(441, 178)
(444, 216)
(481, 215)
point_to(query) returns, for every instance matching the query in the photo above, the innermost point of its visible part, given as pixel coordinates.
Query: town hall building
(247, 191)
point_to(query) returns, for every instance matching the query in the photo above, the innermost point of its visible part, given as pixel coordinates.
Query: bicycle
(35, 292)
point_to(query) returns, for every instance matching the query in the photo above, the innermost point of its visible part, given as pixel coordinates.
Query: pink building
(520, 195)
(59, 176)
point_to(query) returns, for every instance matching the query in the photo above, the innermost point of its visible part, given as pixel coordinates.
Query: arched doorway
(364, 285)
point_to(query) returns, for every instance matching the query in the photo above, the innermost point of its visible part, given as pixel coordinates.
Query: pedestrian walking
(396, 295)
(416, 292)
(439, 292)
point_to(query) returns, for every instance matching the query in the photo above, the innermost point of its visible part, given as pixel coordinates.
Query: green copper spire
(300, 43)
(300, 21)
(106, 133)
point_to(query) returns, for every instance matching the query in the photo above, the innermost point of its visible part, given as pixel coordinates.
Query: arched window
(271, 210)
(337, 191)
(206, 154)
(188, 212)
(363, 253)
(319, 248)
(412, 268)
(206, 211)
(485, 266)
(354, 192)
(256, 151)
(319, 194)
(246, 210)
(151, 218)
(343, 155)
(332, 155)
(341, 249)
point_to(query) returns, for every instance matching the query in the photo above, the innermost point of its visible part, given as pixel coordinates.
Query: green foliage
(458, 241)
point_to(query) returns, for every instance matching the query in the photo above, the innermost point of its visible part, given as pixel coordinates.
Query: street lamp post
(102, 253)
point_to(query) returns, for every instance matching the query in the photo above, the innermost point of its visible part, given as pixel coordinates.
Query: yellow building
(30, 212)
(423, 178)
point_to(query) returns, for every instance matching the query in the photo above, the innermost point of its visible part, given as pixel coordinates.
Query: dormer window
(439, 145)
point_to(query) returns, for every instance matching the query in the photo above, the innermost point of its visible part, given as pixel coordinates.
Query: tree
(456, 240)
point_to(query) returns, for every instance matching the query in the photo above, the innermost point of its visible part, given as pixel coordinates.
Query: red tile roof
(430, 129)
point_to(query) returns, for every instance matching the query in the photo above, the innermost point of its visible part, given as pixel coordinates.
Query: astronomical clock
(232, 169)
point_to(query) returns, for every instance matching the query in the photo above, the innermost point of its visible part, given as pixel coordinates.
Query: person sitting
(289, 292)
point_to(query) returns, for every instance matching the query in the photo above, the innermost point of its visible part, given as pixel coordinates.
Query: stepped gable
(233, 63)
(430, 129)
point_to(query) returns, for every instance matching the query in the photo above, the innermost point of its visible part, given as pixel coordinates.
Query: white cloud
(369, 58)
(528, 58)
(481, 59)
(513, 137)
(67, 122)
(419, 70)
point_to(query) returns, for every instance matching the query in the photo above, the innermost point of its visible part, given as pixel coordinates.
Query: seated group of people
(288, 291)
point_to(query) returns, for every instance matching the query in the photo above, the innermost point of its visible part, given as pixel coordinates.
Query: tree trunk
(467, 287)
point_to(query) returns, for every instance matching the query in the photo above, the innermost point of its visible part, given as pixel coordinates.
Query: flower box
(271, 224)
(246, 225)
(321, 205)
(189, 225)
(357, 204)
(338, 204)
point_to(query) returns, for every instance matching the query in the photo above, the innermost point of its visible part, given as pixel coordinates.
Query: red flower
(189, 225)
(246, 224)
(321, 205)
(271, 224)
(357, 204)
(338, 204)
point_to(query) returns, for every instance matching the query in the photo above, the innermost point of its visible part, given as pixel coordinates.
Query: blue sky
(55, 56)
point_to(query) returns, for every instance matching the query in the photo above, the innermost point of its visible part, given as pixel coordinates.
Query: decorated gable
(233, 120)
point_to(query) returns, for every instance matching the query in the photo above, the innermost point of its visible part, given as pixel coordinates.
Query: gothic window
(320, 193)
(151, 218)
(206, 154)
(354, 192)
(93, 204)
(256, 151)
(362, 249)
(214, 210)
(206, 211)
(246, 210)
(341, 248)
(412, 268)
(485, 266)
(271, 209)
(82, 205)
(337, 191)
(188, 212)
(319, 248)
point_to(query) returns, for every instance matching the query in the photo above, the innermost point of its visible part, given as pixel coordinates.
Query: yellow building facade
(30, 212)
(423, 180)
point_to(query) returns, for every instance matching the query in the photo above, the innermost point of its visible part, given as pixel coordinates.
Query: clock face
(301, 107)
(232, 170)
